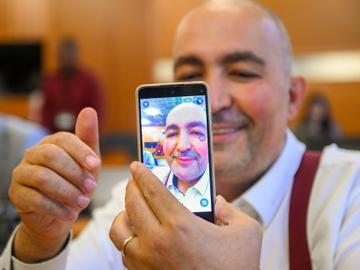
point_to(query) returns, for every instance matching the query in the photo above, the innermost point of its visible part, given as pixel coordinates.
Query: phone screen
(175, 142)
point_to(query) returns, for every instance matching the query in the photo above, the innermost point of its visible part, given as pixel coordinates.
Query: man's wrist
(31, 248)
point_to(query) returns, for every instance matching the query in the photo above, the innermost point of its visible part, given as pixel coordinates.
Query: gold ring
(125, 243)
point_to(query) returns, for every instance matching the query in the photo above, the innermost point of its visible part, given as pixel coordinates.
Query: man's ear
(296, 95)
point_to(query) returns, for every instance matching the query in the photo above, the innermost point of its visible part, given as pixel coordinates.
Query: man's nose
(184, 142)
(218, 88)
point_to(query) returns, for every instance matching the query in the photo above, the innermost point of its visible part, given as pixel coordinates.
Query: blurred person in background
(68, 90)
(318, 128)
(35, 104)
(148, 159)
(16, 135)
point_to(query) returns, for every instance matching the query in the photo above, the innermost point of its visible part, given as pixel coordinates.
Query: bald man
(186, 152)
(242, 51)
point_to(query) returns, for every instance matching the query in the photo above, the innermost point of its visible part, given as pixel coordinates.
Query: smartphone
(175, 141)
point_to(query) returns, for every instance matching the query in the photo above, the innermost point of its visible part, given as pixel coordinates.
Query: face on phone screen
(175, 146)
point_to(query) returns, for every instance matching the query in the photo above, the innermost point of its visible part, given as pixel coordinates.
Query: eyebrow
(173, 127)
(188, 60)
(241, 56)
(190, 125)
(196, 124)
(245, 56)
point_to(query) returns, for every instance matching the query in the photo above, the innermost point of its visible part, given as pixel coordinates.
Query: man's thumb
(87, 128)
(224, 211)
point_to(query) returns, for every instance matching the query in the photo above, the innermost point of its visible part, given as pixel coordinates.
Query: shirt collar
(203, 183)
(200, 186)
(264, 198)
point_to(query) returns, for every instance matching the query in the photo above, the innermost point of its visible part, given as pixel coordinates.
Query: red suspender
(299, 255)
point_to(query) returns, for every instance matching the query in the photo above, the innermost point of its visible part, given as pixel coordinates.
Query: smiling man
(244, 57)
(242, 51)
(186, 152)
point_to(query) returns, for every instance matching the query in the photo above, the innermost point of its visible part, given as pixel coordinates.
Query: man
(186, 153)
(69, 90)
(242, 51)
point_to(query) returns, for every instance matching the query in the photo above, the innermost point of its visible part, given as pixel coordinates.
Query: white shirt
(197, 197)
(333, 223)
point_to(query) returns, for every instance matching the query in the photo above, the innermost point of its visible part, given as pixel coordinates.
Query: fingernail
(92, 161)
(72, 215)
(219, 198)
(90, 185)
(82, 201)
(133, 166)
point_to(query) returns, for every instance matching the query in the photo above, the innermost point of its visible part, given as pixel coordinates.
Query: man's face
(185, 143)
(237, 53)
(67, 55)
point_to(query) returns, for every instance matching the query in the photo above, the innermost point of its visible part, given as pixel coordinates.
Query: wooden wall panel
(14, 105)
(163, 19)
(131, 61)
(28, 19)
(320, 25)
(3, 19)
(23, 20)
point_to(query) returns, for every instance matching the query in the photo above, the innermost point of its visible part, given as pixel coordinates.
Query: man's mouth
(225, 133)
(185, 160)
(222, 131)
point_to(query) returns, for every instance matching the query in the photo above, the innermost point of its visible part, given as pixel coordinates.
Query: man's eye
(244, 74)
(171, 134)
(188, 76)
(196, 132)
(199, 134)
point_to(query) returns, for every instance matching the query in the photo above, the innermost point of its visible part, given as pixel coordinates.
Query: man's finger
(226, 213)
(33, 201)
(56, 159)
(50, 183)
(159, 199)
(140, 214)
(87, 128)
(120, 231)
(75, 148)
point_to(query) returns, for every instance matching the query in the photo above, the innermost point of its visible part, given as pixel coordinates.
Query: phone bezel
(172, 90)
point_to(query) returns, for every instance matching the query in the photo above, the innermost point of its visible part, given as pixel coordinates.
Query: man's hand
(51, 185)
(168, 236)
